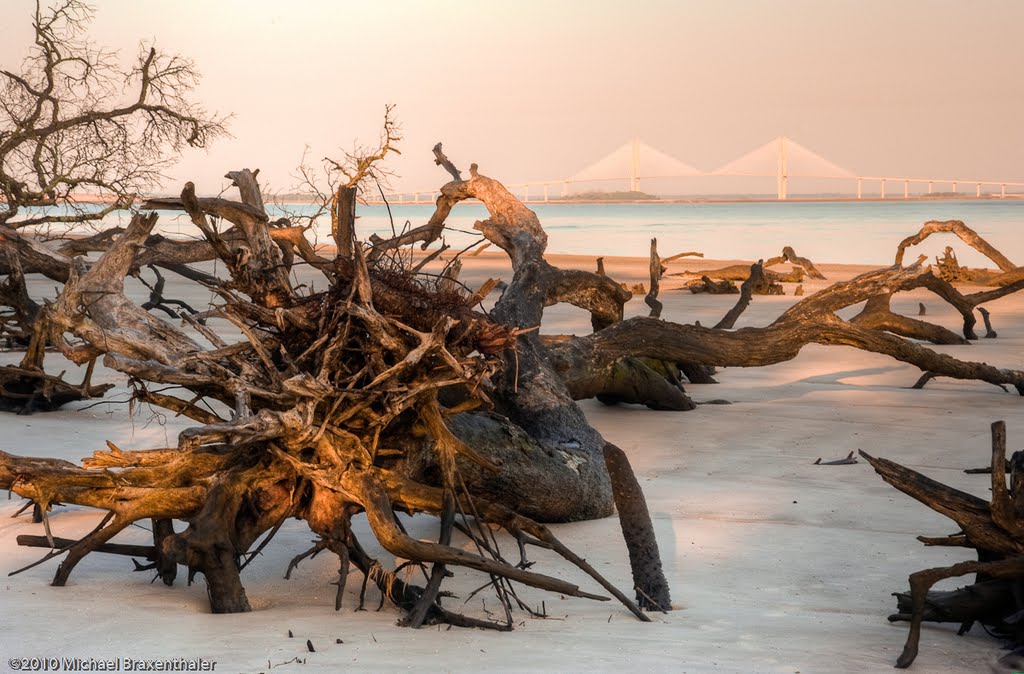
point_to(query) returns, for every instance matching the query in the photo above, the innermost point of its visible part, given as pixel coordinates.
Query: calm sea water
(844, 232)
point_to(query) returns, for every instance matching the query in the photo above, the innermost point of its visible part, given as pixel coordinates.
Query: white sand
(775, 564)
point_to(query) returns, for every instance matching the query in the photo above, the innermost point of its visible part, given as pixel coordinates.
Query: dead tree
(388, 391)
(657, 271)
(72, 132)
(994, 529)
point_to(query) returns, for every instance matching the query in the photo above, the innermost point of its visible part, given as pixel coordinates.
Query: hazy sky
(538, 89)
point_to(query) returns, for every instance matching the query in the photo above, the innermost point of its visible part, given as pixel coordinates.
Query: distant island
(612, 196)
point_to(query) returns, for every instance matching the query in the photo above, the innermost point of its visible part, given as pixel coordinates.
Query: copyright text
(125, 664)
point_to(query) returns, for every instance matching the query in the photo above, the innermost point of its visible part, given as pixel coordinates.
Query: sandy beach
(775, 564)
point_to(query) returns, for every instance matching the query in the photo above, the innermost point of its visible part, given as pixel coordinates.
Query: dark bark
(966, 234)
(756, 281)
(706, 285)
(345, 232)
(657, 270)
(652, 591)
(877, 315)
(741, 272)
(812, 320)
(789, 255)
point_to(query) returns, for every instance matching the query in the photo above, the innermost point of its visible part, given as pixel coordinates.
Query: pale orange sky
(535, 90)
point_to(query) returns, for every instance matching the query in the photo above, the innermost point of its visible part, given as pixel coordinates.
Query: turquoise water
(845, 232)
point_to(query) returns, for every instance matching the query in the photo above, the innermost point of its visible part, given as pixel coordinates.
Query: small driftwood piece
(441, 160)
(965, 233)
(850, 459)
(691, 253)
(789, 255)
(657, 270)
(706, 285)
(986, 317)
(756, 280)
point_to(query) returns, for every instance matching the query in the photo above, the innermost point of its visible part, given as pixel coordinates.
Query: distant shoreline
(730, 200)
(101, 200)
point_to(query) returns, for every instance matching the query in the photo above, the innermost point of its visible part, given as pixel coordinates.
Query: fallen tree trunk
(812, 320)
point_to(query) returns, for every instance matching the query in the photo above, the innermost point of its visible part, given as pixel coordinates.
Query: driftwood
(649, 581)
(386, 391)
(327, 390)
(878, 315)
(706, 285)
(27, 390)
(849, 460)
(995, 529)
(756, 283)
(691, 253)
(739, 272)
(812, 320)
(949, 268)
(789, 255)
(657, 269)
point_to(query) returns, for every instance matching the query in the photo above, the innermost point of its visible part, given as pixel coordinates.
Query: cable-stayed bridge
(781, 158)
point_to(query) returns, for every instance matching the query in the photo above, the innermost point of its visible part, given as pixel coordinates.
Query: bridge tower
(783, 169)
(634, 166)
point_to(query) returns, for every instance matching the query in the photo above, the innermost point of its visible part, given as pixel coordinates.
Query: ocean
(851, 232)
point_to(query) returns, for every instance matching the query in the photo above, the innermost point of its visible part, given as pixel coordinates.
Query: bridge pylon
(783, 169)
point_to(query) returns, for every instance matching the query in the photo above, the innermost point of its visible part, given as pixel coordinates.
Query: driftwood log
(739, 272)
(707, 285)
(994, 529)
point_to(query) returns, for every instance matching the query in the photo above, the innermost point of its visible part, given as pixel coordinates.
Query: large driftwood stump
(387, 391)
(995, 529)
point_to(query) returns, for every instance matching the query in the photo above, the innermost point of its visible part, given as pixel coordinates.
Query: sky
(537, 90)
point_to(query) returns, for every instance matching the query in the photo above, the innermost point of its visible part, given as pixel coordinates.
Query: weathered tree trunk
(637, 529)
(657, 270)
(344, 231)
